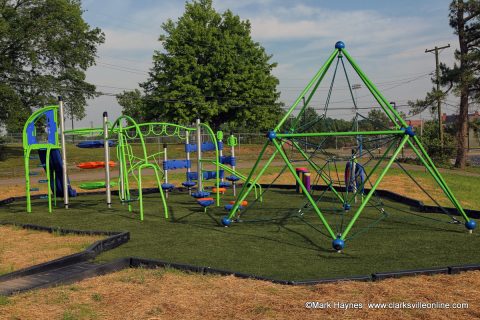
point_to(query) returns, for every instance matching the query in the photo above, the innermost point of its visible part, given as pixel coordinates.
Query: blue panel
(192, 176)
(206, 146)
(190, 147)
(51, 127)
(176, 164)
(207, 175)
(228, 160)
(95, 144)
(31, 138)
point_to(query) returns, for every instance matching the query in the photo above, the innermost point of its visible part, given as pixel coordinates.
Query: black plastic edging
(114, 240)
(462, 268)
(121, 237)
(392, 196)
(94, 271)
(403, 273)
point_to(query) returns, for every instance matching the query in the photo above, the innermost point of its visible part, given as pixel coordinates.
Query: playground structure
(292, 132)
(353, 192)
(48, 149)
(134, 158)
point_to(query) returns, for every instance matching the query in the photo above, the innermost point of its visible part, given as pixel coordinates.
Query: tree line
(208, 66)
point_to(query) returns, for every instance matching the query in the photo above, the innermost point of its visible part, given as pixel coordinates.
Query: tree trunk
(462, 119)
(462, 130)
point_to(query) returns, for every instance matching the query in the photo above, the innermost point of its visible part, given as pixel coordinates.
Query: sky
(386, 38)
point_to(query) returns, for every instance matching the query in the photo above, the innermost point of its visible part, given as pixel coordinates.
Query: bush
(431, 142)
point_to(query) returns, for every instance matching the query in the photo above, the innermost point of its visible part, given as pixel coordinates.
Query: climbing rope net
(345, 180)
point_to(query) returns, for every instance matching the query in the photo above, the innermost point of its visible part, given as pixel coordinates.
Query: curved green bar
(95, 185)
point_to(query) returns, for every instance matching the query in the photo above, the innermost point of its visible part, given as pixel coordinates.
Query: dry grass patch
(22, 248)
(160, 294)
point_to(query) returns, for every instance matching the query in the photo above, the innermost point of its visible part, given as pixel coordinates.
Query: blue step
(43, 197)
(43, 181)
(168, 186)
(34, 189)
(33, 173)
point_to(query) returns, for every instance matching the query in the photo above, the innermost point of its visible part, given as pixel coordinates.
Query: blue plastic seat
(168, 186)
(224, 184)
(189, 184)
(200, 194)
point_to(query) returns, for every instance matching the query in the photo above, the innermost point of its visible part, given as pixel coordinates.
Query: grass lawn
(273, 240)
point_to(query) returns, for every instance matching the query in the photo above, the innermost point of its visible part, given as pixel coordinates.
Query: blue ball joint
(271, 135)
(470, 225)
(340, 45)
(338, 244)
(346, 206)
(226, 222)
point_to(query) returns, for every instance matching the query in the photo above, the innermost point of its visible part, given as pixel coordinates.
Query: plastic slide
(56, 166)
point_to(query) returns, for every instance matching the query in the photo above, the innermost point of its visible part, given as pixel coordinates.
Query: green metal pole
(425, 159)
(217, 169)
(384, 104)
(140, 192)
(310, 96)
(243, 195)
(47, 169)
(164, 201)
(304, 189)
(370, 193)
(330, 134)
(432, 168)
(27, 178)
(250, 175)
(319, 170)
(319, 74)
(54, 189)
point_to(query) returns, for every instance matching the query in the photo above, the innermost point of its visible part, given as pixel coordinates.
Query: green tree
(464, 76)
(132, 104)
(375, 120)
(45, 49)
(463, 79)
(431, 142)
(211, 68)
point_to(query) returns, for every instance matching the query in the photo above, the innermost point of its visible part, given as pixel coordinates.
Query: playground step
(34, 189)
(61, 275)
(42, 181)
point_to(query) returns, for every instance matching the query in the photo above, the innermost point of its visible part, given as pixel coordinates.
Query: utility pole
(437, 80)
